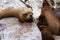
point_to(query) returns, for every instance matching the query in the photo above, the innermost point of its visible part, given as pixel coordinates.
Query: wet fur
(22, 13)
(52, 22)
(46, 34)
(42, 20)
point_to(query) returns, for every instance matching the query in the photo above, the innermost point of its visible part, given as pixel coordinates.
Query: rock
(12, 29)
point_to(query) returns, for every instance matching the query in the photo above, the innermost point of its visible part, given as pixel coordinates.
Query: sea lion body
(23, 13)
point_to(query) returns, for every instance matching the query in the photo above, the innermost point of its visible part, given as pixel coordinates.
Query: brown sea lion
(53, 23)
(22, 13)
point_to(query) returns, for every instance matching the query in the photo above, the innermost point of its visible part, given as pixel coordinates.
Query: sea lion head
(26, 15)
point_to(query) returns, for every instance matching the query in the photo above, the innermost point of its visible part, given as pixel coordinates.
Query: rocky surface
(12, 29)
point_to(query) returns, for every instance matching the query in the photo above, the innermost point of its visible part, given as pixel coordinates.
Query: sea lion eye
(25, 14)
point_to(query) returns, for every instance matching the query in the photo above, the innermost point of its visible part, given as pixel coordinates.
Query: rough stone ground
(12, 29)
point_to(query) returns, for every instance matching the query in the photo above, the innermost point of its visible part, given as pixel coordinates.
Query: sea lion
(53, 23)
(24, 14)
